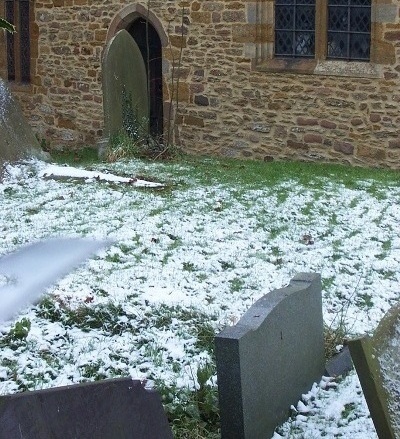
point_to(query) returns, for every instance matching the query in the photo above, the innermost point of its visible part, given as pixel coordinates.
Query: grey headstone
(377, 362)
(125, 97)
(110, 409)
(269, 358)
(16, 136)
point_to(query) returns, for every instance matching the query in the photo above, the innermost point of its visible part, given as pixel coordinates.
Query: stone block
(250, 33)
(110, 409)
(313, 138)
(377, 360)
(270, 358)
(344, 147)
(194, 121)
(373, 153)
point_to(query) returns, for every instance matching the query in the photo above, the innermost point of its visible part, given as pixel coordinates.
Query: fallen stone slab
(69, 172)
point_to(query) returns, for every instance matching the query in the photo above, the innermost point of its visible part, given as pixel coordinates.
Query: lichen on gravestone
(377, 360)
(126, 106)
(389, 360)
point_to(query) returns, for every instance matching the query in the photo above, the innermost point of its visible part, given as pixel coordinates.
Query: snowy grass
(189, 259)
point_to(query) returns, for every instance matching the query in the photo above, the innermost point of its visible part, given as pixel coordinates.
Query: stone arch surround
(125, 17)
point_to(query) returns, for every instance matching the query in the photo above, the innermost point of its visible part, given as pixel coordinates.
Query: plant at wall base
(174, 82)
(4, 24)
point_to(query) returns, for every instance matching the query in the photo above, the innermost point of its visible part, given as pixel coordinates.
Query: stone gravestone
(377, 362)
(16, 136)
(109, 409)
(270, 358)
(125, 97)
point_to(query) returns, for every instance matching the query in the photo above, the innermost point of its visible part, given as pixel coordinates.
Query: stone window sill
(20, 87)
(321, 67)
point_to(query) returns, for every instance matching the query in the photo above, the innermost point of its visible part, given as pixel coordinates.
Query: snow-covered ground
(190, 255)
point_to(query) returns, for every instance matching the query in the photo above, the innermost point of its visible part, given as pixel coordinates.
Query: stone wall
(233, 99)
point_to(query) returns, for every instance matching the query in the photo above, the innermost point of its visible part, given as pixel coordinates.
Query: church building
(315, 80)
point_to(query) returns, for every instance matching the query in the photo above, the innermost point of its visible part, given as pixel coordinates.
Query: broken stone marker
(109, 409)
(377, 362)
(270, 358)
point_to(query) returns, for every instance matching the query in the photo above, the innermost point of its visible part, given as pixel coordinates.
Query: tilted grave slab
(270, 358)
(377, 362)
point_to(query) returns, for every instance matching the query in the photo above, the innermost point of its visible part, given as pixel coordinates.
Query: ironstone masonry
(234, 98)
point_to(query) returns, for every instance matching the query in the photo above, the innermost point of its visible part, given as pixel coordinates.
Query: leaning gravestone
(377, 362)
(125, 98)
(109, 409)
(16, 136)
(270, 358)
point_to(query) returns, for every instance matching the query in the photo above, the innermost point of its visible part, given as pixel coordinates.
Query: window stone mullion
(321, 25)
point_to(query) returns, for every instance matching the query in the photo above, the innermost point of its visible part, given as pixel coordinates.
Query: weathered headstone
(16, 136)
(110, 409)
(270, 358)
(377, 362)
(125, 97)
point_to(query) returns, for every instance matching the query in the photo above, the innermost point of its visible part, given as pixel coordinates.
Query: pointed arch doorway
(149, 42)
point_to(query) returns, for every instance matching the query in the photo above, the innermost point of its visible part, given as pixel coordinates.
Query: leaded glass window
(349, 29)
(24, 42)
(295, 28)
(10, 17)
(17, 12)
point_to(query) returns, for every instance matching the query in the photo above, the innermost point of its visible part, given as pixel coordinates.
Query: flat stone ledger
(270, 358)
(377, 361)
(125, 96)
(109, 409)
(17, 140)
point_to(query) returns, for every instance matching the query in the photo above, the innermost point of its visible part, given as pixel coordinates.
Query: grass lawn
(189, 259)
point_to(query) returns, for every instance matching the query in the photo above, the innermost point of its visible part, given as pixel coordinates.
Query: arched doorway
(149, 42)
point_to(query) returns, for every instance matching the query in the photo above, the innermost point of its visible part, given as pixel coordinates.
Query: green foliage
(105, 317)
(193, 414)
(333, 337)
(4, 24)
(20, 330)
(17, 334)
(83, 156)
(205, 334)
(348, 411)
(134, 128)
(133, 143)
(236, 284)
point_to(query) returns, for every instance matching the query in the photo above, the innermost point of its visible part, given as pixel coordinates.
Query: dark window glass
(18, 44)
(295, 28)
(349, 29)
(10, 17)
(25, 53)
